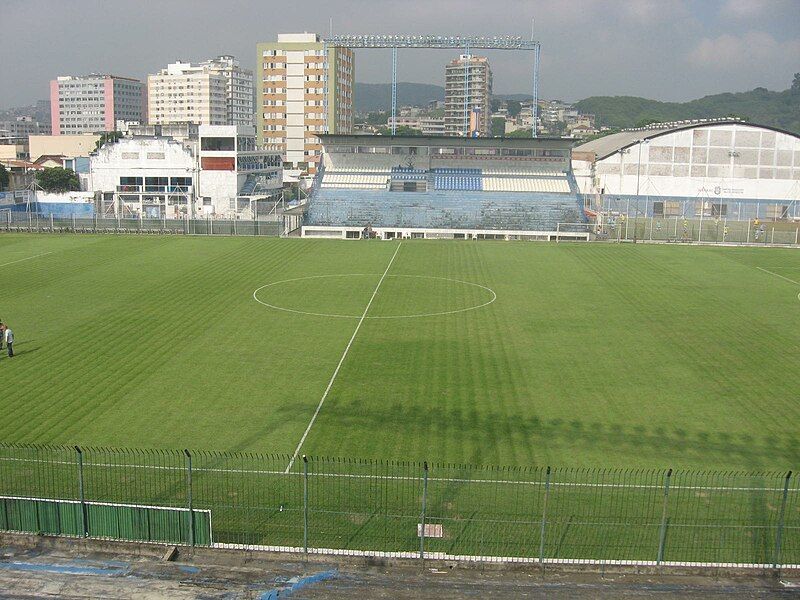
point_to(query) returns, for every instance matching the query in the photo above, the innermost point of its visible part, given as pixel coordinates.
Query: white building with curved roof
(721, 168)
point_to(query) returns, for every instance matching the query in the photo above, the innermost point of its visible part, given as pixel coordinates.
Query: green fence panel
(41, 516)
(148, 524)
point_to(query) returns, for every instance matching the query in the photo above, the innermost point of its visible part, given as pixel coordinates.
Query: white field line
(779, 275)
(341, 361)
(13, 262)
(500, 559)
(337, 316)
(542, 483)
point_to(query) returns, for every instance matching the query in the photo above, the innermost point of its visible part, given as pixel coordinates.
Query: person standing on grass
(9, 336)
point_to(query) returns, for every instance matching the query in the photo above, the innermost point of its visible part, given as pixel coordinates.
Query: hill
(762, 106)
(372, 97)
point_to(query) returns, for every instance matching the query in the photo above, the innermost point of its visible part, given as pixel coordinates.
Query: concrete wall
(66, 145)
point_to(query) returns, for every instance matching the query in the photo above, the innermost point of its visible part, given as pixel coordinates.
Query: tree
(401, 130)
(796, 84)
(108, 137)
(521, 133)
(377, 118)
(498, 126)
(4, 177)
(514, 107)
(58, 179)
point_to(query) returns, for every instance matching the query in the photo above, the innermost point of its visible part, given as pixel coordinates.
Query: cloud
(739, 9)
(648, 12)
(754, 48)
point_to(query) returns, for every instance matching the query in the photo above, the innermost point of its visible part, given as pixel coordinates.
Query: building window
(217, 144)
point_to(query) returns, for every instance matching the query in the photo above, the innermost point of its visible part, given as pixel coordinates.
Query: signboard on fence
(432, 530)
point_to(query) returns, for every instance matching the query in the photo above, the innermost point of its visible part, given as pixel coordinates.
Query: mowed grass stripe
(127, 327)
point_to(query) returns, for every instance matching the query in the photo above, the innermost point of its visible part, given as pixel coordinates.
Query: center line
(341, 360)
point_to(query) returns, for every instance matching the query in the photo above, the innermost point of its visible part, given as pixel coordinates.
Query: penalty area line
(779, 275)
(13, 262)
(341, 361)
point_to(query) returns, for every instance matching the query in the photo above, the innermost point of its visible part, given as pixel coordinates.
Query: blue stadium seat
(442, 209)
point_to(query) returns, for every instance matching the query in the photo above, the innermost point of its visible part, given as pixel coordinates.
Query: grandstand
(438, 187)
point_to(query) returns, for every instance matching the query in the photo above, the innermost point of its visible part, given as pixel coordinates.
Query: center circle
(471, 296)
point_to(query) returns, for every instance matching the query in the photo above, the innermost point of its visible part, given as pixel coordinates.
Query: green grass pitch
(594, 355)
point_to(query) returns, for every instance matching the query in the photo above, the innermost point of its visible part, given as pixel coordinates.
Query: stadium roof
(609, 144)
(443, 140)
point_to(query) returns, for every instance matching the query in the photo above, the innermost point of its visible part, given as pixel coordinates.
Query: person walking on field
(9, 336)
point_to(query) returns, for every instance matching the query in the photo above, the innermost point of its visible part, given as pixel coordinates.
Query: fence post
(662, 536)
(779, 535)
(543, 529)
(189, 495)
(52, 225)
(305, 505)
(81, 495)
(424, 508)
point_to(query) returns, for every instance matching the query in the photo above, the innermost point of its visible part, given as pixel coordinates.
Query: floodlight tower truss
(442, 42)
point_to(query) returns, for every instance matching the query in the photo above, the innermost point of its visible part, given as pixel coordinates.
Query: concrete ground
(62, 569)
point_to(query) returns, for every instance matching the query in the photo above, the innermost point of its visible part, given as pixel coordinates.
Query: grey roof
(449, 141)
(609, 144)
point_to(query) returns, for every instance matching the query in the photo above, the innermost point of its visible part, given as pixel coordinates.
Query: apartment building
(238, 89)
(304, 88)
(187, 93)
(468, 93)
(93, 103)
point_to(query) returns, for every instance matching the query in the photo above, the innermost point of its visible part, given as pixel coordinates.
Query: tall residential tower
(303, 91)
(468, 96)
(213, 92)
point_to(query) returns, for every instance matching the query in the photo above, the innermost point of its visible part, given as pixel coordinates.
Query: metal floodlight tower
(438, 42)
(394, 90)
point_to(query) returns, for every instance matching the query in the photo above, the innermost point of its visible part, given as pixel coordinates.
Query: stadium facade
(444, 187)
(725, 169)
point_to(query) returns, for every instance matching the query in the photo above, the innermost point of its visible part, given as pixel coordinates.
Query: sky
(672, 50)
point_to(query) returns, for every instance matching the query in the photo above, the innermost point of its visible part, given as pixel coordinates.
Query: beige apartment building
(187, 93)
(303, 89)
(468, 89)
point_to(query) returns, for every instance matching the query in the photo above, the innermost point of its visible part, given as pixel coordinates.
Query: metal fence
(710, 230)
(431, 510)
(277, 225)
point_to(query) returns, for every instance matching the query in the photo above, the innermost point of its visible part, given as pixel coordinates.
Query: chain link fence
(277, 225)
(424, 510)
